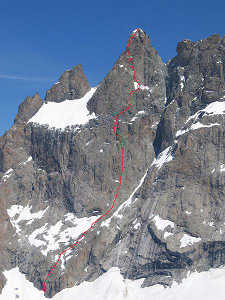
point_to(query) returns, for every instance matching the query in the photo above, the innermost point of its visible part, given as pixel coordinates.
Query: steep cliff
(60, 171)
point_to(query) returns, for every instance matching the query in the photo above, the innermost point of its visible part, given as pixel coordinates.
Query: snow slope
(111, 285)
(66, 113)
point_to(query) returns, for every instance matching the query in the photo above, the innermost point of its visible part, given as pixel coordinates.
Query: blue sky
(40, 39)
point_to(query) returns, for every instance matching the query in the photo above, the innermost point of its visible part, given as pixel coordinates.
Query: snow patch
(144, 87)
(9, 171)
(137, 225)
(164, 157)
(53, 236)
(160, 223)
(49, 238)
(222, 168)
(166, 234)
(29, 159)
(194, 127)
(7, 174)
(182, 80)
(18, 213)
(187, 240)
(188, 213)
(214, 108)
(88, 143)
(134, 31)
(141, 112)
(136, 86)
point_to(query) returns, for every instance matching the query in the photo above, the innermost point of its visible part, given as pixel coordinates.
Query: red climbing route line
(121, 170)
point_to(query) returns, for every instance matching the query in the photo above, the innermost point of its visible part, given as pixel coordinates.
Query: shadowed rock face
(73, 84)
(174, 157)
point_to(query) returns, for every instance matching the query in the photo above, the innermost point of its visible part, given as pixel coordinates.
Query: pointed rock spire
(28, 108)
(145, 58)
(113, 93)
(73, 84)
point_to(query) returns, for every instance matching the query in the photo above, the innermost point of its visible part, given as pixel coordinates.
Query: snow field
(111, 285)
(66, 113)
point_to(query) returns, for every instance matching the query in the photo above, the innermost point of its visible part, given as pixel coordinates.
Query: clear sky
(41, 39)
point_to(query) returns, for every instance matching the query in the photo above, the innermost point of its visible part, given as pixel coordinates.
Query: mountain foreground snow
(111, 285)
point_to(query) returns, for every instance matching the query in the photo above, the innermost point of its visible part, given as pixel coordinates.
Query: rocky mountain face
(73, 84)
(169, 215)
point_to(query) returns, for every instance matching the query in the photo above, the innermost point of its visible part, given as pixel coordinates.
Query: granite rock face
(169, 214)
(73, 84)
(195, 78)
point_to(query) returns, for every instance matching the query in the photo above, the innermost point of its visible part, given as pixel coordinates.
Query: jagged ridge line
(122, 164)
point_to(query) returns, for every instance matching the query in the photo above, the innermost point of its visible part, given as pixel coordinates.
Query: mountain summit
(60, 167)
(73, 84)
